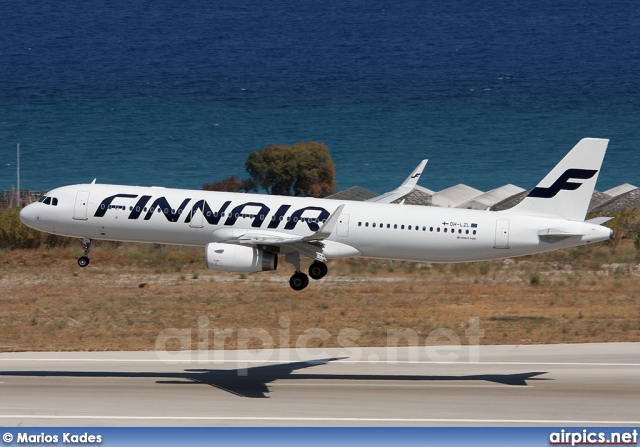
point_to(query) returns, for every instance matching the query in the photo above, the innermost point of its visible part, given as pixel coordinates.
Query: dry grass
(131, 293)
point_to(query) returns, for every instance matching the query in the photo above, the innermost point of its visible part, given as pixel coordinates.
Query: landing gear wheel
(86, 246)
(299, 281)
(318, 270)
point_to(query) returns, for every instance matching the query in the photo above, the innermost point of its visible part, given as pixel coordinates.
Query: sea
(177, 94)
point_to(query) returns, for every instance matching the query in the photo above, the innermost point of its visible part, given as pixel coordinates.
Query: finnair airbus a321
(247, 232)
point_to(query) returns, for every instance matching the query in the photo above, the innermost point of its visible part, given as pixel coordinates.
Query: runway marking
(388, 385)
(319, 419)
(282, 362)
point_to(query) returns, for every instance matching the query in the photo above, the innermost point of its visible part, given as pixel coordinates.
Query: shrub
(14, 234)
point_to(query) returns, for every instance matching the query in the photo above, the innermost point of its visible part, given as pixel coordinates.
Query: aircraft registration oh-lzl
(248, 232)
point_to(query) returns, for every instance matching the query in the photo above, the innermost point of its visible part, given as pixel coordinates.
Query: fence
(15, 198)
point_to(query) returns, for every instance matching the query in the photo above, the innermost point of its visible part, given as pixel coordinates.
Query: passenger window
(373, 225)
(402, 227)
(438, 229)
(366, 224)
(445, 230)
(395, 226)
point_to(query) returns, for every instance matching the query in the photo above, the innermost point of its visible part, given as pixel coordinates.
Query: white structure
(488, 199)
(454, 196)
(621, 189)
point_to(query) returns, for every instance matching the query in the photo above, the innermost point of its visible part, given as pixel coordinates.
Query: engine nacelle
(238, 258)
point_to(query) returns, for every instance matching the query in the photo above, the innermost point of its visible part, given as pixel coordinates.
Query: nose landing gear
(83, 261)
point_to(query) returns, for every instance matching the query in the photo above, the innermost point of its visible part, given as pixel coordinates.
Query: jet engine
(238, 258)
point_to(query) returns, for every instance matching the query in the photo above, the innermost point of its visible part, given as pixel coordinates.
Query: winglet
(326, 229)
(412, 180)
(404, 189)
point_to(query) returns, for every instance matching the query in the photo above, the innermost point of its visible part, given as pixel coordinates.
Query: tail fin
(559, 194)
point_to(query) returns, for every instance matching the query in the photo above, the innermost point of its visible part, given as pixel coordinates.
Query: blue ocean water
(179, 93)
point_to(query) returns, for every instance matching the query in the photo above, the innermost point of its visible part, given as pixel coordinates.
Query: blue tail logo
(563, 183)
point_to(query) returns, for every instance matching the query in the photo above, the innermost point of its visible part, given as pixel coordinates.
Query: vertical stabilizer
(567, 190)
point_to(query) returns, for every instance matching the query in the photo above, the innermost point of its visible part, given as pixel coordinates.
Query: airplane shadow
(253, 382)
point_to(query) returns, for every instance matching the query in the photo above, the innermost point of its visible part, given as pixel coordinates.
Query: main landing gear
(299, 280)
(83, 261)
(318, 270)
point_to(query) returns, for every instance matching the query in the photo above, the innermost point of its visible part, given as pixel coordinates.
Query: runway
(539, 385)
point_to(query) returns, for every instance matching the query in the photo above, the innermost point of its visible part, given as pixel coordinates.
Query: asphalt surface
(541, 385)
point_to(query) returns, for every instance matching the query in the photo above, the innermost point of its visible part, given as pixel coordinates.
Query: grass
(131, 293)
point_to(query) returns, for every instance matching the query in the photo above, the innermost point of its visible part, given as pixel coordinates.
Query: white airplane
(246, 232)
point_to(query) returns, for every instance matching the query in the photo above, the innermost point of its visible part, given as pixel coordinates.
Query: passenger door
(81, 205)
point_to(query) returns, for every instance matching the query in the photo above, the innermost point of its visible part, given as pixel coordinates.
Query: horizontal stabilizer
(552, 232)
(599, 220)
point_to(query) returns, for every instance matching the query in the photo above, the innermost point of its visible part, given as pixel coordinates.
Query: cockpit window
(47, 200)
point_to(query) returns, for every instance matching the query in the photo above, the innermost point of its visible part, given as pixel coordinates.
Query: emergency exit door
(502, 234)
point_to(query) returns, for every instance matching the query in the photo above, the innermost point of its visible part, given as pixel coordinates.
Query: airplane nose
(29, 215)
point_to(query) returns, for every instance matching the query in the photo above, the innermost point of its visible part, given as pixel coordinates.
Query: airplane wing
(266, 238)
(310, 246)
(404, 189)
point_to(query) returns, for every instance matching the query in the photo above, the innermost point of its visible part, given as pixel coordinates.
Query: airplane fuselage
(373, 230)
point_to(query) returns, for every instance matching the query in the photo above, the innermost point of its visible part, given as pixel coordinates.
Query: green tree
(303, 169)
(231, 184)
